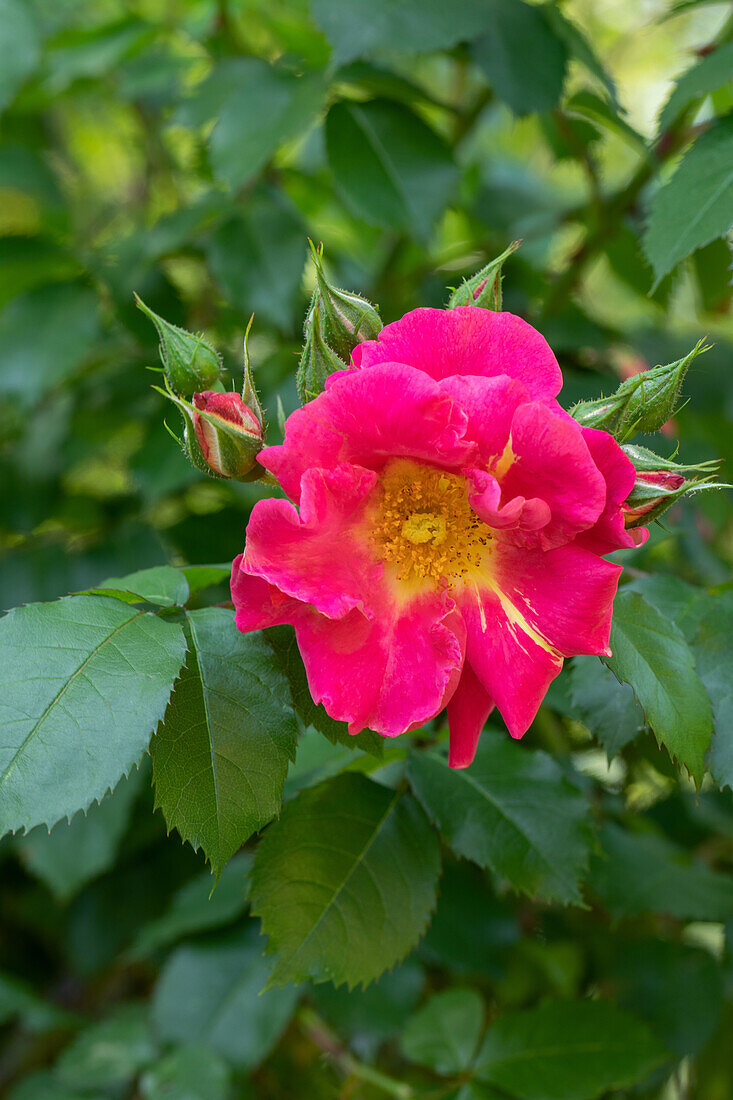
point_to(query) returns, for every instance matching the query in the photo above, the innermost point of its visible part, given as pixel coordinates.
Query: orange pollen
(422, 524)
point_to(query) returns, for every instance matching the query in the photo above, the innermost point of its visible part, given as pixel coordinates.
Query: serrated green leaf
(162, 585)
(194, 1072)
(696, 205)
(417, 25)
(83, 682)
(391, 167)
(212, 994)
(713, 649)
(522, 56)
(111, 1052)
(602, 703)
(444, 1033)
(511, 811)
(708, 74)
(643, 873)
(221, 756)
(75, 853)
(284, 645)
(198, 906)
(567, 1050)
(651, 654)
(345, 882)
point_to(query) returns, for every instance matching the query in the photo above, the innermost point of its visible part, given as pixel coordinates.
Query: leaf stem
(321, 1036)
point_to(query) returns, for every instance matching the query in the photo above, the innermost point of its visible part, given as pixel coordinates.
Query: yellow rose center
(422, 525)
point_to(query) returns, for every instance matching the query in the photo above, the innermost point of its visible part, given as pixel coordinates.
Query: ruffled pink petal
(513, 663)
(467, 713)
(564, 595)
(609, 533)
(489, 404)
(259, 604)
(467, 340)
(518, 514)
(367, 417)
(318, 556)
(550, 459)
(389, 673)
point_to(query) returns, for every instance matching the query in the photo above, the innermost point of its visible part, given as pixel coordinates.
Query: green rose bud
(317, 360)
(190, 364)
(484, 288)
(346, 319)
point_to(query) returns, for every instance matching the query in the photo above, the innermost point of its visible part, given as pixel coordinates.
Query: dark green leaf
(75, 853)
(193, 1072)
(642, 873)
(221, 756)
(710, 73)
(369, 1016)
(345, 882)
(212, 994)
(162, 585)
(19, 47)
(197, 907)
(358, 28)
(696, 205)
(580, 48)
(391, 167)
(111, 1052)
(567, 1050)
(444, 1034)
(511, 811)
(84, 683)
(522, 56)
(19, 1001)
(713, 649)
(46, 1086)
(603, 704)
(651, 654)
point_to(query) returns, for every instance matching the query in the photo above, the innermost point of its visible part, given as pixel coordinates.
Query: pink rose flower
(447, 545)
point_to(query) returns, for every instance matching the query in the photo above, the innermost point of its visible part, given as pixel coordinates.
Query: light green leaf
(212, 994)
(345, 882)
(567, 1050)
(111, 1052)
(713, 649)
(20, 47)
(644, 873)
(651, 654)
(358, 28)
(193, 1072)
(512, 811)
(203, 576)
(75, 853)
(445, 1032)
(391, 167)
(221, 756)
(83, 684)
(522, 56)
(162, 585)
(198, 906)
(710, 73)
(603, 704)
(696, 205)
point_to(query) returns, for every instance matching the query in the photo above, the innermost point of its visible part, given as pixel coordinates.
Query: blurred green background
(186, 150)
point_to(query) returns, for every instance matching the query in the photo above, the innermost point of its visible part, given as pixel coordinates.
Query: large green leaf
(221, 756)
(605, 705)
(193, 1072)
(358, 28)
(710, 73)
(696, 205)
(391, 167)
(512, 811)
(83, 684)
(212, 994)
(73, 854)
(522, 56)
(644, 873)
(20, 47)
(162, 585)
(345, 882)
(445, 1032)
(713, 649)
(651, 654)
(567, 1050)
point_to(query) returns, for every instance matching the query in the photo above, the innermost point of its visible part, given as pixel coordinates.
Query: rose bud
(317, 361)
(189, 362)
(346, 318)
(654, 491)
(228, 433)
(484, 288)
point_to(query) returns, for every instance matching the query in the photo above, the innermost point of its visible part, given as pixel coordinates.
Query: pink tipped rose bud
(651, 489)
(228, 433)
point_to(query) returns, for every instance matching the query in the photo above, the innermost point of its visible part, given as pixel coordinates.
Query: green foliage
(345, 913)
(109, 1053)
(709, 74)
(512, 811)
(193, 1072)
(444, 1034)
(221, 756)
(604, 704)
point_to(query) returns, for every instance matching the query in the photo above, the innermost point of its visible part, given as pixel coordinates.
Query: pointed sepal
(484, 288)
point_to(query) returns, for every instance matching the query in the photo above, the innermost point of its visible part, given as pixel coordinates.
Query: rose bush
(448, 550)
